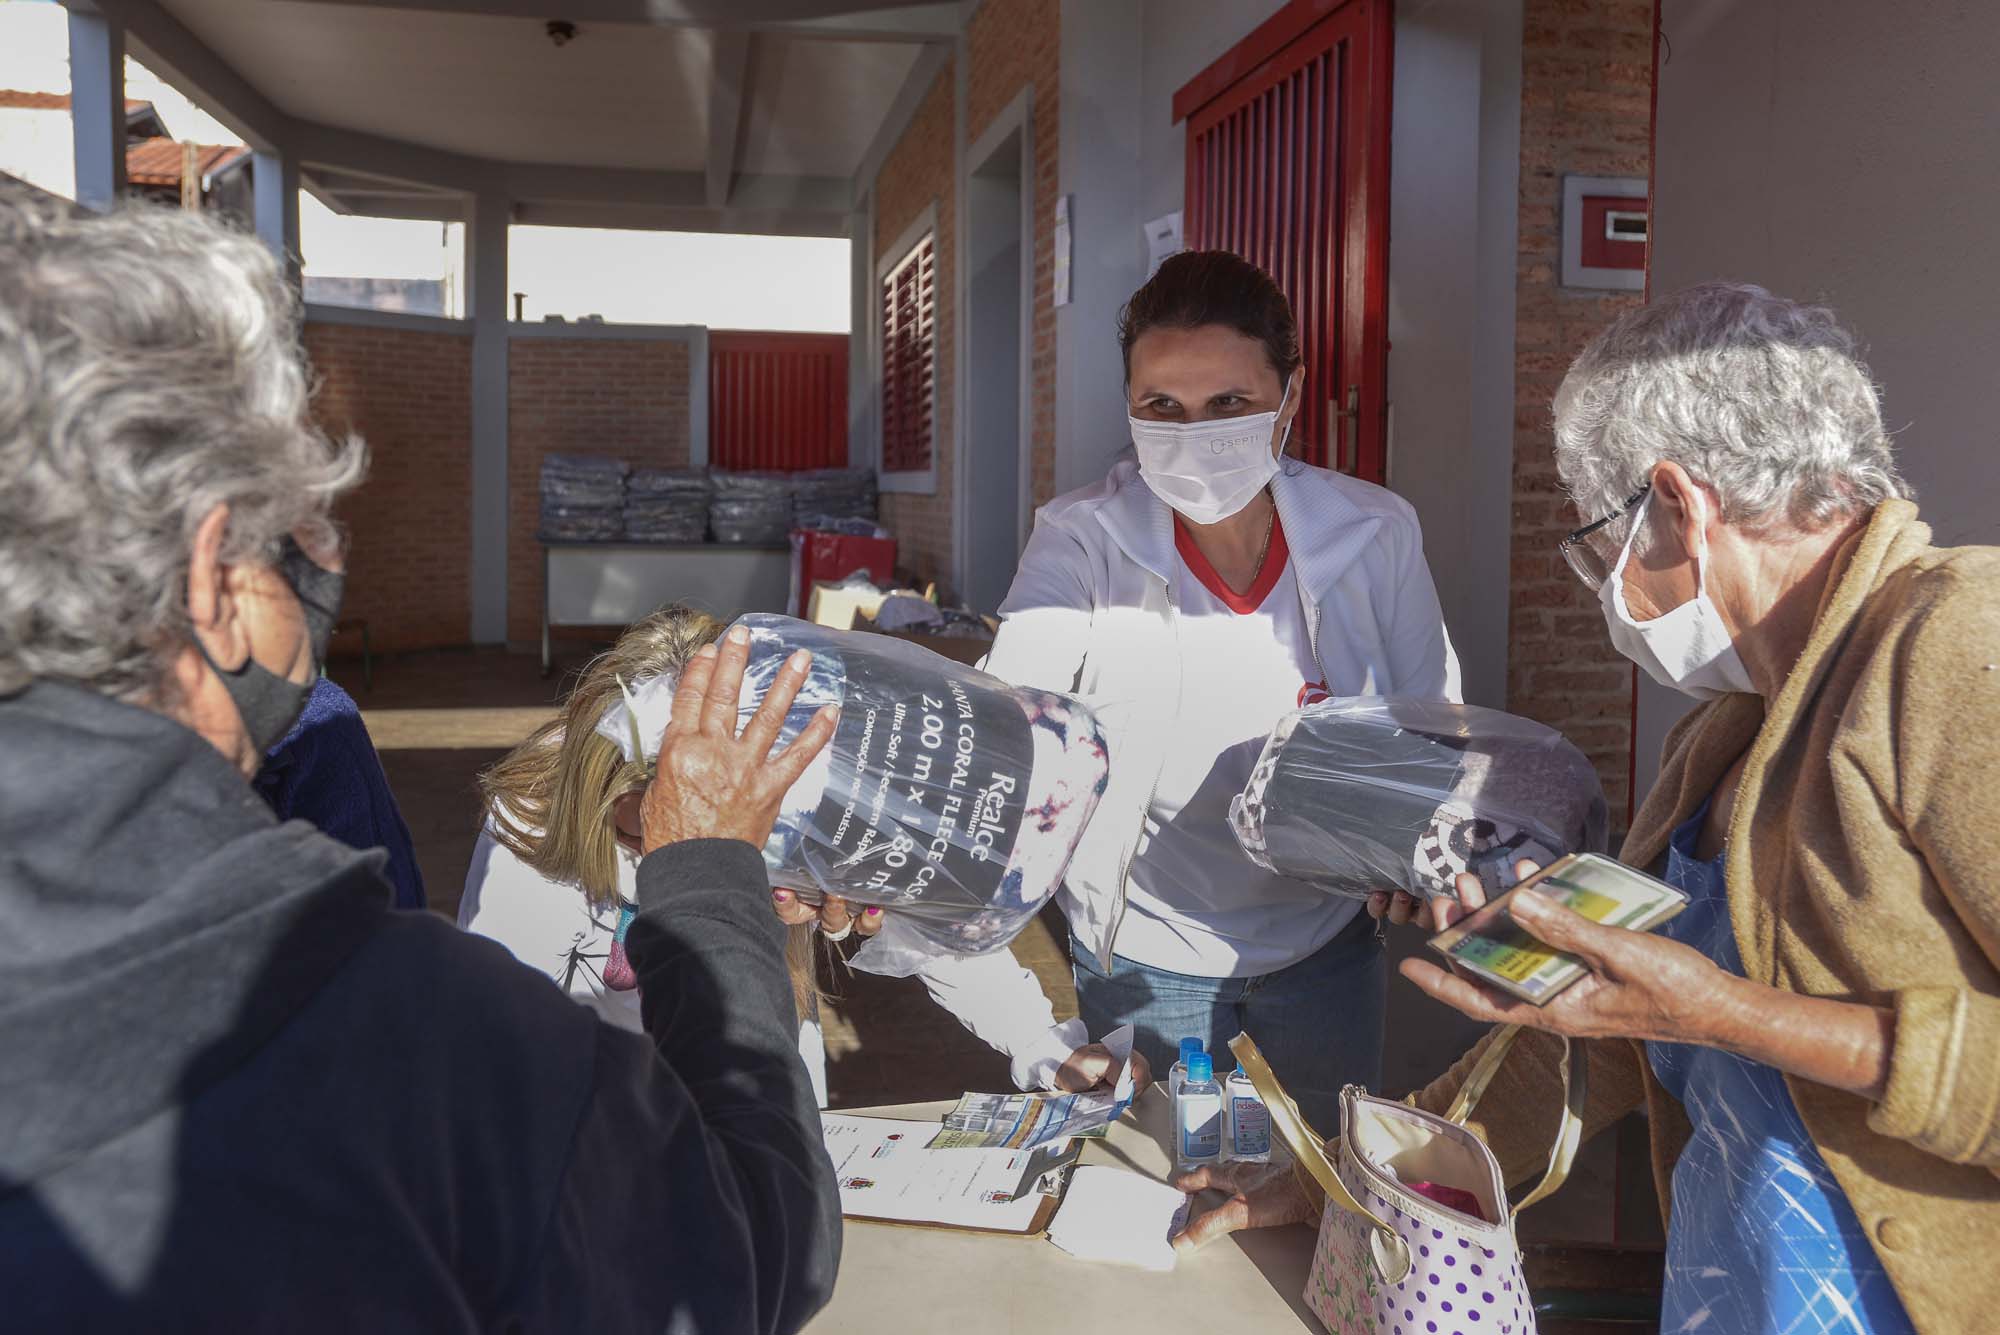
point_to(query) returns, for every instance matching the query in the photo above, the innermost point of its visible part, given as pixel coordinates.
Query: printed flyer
(1025, 1121)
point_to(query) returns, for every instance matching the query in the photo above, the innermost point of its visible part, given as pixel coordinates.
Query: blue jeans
(1318, 1022)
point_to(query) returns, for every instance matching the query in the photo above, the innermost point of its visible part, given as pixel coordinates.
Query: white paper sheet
(1163, 238)
(1113, 1214)
(885, 1172)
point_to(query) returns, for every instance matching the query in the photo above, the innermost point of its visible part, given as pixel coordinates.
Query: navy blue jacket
(326, 773)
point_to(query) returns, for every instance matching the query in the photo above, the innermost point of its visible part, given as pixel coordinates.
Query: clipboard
(1044, 1215)
(887, 1175)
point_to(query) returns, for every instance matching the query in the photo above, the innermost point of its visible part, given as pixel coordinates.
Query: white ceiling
(618, 95)
(815, 104)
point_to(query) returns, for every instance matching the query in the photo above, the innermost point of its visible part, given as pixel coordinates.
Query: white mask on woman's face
(1689, 648)
(1208, 471)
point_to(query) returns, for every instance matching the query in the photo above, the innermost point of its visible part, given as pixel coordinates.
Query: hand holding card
(1496, 948)
(1568, 951)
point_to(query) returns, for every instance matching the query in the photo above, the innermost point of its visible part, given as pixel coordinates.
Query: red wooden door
(1288, 166)
(777, 400)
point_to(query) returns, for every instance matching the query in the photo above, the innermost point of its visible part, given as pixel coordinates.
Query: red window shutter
(1288, 166)
(909, 360)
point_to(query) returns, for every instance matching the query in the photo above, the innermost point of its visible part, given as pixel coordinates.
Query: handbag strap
(1309, 1147)
(1576, 1088)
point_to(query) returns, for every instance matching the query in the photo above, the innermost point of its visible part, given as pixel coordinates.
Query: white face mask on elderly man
(1208, 471)
(1689, 648)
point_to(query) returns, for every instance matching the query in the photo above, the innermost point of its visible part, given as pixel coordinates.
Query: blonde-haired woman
(554, 874)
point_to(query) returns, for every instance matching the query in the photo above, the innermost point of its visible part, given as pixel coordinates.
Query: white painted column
(486, 283)
(97, 104)
(862, 447)
(961, 282)
(698, 397)
(276, 181)
(1105, 104)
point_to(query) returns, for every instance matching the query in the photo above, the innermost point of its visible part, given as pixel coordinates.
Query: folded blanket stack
(822, 498)
(751, 509)
(583, 498)
(666, 505)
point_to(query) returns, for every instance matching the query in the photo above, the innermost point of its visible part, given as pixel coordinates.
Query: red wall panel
(777, 400)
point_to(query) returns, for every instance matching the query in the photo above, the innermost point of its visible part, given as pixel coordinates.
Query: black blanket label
(928, 787)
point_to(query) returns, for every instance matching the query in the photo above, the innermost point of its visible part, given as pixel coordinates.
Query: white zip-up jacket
(1092, 612)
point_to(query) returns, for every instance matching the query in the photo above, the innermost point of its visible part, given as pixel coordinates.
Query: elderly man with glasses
(1817, 1037)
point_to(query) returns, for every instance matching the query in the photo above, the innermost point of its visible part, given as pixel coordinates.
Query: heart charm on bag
(1395, 1261)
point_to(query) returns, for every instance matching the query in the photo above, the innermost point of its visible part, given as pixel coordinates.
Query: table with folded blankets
(619, 541)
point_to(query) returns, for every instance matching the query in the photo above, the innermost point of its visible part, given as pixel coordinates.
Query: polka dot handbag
(1392, 1260)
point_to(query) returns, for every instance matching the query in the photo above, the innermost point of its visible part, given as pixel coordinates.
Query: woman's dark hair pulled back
(1202, 287)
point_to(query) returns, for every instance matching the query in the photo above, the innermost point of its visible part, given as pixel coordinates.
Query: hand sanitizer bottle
(1198, 1115)
(1249, 1121)
(1178, 1075)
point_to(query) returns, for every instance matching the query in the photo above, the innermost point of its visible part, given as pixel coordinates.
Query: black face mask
(267, 703)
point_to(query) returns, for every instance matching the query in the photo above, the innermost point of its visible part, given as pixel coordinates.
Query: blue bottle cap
(1189, 1046)
(1201, 1068)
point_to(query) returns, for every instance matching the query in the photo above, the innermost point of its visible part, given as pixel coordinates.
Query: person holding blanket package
(1816, 1038)
(944, 794)
(554, 875)
(1208, 586)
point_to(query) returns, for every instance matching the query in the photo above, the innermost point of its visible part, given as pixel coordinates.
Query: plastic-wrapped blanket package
(750, 509)
(1369, 793)
(682, 482)
(666, 505)
(583, 498)
(947, 796)
(583, 479)
(581, 523)
(833, 494)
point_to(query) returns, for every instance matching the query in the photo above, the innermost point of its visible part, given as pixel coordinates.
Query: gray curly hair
(1765, 400)
(152, 371)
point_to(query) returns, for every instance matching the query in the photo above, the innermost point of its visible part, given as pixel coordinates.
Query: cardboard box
(841, 606)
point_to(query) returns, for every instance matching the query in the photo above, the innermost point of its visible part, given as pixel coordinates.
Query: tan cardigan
(1863, 864)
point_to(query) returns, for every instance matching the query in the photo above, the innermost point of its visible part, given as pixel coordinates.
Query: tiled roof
(15, 98)
(159, 161)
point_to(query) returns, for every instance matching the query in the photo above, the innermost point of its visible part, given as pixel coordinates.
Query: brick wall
(408, 393)
(917, 173)
(1586, 85)
(1010, 45)
(626, 398)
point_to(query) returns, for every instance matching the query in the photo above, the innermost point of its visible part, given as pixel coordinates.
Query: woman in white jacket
(1205, 588)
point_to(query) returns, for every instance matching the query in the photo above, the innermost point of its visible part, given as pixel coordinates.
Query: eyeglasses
(1590, 563)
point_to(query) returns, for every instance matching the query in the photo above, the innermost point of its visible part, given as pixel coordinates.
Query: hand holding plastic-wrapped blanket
(1367, 793)
(948, 797)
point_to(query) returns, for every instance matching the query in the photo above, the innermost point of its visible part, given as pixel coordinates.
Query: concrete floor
(438, 718)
